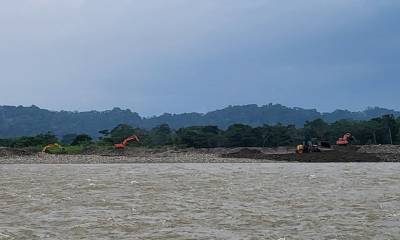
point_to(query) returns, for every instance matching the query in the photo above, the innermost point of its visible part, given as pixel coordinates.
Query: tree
(240, 135)
(368, 135)
(390, 124)
(105, 138)
(386, 134)
(121, 132)
(398, 132)
(264, 135)
(161, 135)
(318, 129)
(38, 140)
(6, 142)
(199, 136)
(68, 139)
(282, 135)
(105, 132)
(82, 139)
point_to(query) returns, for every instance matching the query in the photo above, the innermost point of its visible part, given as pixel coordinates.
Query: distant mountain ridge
(26, 121)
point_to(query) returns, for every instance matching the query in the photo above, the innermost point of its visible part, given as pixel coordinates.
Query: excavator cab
(300, 149)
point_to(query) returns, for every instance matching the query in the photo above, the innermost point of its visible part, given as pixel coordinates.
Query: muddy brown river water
(201, 201)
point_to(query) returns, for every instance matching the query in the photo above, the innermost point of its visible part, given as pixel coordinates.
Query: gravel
(388, 153)
(380, 149)
(96, 159)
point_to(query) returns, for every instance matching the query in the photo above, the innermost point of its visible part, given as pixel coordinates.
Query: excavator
(307, 147)
(126, 141)
(53, 145)
(345, 140)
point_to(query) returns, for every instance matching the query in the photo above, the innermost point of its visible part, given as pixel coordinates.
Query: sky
(156, 56)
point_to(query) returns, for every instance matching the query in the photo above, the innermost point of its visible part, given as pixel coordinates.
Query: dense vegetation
(30, 121)
(382, 130)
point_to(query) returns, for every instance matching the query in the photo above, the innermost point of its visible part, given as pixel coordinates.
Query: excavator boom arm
(50, 146)
(126, 141)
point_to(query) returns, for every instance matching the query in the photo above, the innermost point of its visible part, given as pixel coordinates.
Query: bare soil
(337, 154)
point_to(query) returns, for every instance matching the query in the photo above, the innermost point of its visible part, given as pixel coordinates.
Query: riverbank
(370, 153)
(366, 153)
(98, 159)
(130, 155)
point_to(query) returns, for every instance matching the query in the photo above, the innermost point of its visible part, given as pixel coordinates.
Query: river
(201, 201)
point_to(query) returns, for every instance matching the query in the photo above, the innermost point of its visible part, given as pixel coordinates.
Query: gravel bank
(135, 155)
(96, 159)
(388, 153)
(370, 153)
(380, 149)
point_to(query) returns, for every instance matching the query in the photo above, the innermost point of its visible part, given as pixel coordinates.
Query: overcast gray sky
(156, 56)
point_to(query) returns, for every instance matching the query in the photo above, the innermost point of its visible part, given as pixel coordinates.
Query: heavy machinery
(53, 145)
(307, 147)
(126, 141)
(345, 140)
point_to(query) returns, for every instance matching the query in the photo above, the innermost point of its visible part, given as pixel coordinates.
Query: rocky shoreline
(370, 153)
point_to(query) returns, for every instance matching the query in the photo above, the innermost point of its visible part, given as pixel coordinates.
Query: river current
(201, 201)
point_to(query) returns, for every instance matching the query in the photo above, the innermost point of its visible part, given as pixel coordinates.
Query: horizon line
(203, 113)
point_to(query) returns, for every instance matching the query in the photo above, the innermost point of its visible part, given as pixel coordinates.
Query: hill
(27, 121)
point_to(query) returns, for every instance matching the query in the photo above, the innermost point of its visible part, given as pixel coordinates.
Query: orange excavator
(53, 145)
(345, 140)
(126, 141)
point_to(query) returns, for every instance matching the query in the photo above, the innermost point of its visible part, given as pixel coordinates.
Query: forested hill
(26, 121)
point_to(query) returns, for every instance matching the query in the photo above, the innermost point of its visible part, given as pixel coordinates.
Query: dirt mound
(334, 156)
(338, 154)
(245, 153)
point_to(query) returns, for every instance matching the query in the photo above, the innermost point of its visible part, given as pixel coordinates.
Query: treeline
(383, 130)
(30, 121)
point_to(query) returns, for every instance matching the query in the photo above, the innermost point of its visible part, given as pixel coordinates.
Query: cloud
(172, 56)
